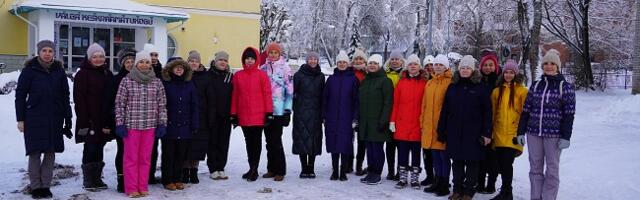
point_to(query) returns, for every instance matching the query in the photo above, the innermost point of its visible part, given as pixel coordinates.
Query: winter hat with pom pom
(467, 61)
(552, 56)
(428, 60)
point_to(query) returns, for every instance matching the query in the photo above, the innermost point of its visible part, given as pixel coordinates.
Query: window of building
(171, 46)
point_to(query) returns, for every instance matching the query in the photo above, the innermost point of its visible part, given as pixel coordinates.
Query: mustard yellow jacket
(432, 100)
(505, 117)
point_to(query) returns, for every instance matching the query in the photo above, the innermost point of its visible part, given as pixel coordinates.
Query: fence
(613, 75)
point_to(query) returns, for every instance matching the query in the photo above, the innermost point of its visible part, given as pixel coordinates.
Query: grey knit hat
(46, 43)
(221, 55)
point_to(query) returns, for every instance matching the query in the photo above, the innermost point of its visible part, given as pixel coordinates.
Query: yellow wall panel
(13, 34)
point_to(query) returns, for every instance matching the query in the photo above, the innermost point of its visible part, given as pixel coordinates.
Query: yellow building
(174, 27)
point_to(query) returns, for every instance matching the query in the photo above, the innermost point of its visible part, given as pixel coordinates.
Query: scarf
(140, 77)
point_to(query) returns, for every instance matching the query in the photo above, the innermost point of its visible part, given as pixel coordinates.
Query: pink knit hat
(512, 65)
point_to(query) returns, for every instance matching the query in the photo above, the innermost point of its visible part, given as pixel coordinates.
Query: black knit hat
(249, 53)
(124, 54)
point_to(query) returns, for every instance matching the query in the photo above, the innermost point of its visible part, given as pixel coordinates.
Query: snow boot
(434, 186)
(88, 177)
(443, 189)
(455, 196)
(402, 170)
(193, 176)
(505, 194)
(120, 186)
(98, 176)
(186, 175)
(414, 178)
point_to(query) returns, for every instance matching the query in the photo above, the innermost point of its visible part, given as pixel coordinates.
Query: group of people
(469, 118)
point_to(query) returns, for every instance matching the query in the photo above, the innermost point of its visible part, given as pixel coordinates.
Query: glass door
(80, 37)
(102, 36)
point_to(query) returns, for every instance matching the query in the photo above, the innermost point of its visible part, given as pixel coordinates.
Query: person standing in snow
(507, 101)
(308, 84)
(141, 116)
(428, 65)
(126, 59)
(490, 69)
(393, 68)
(427, 156)
(182, 121)
(359, 62)
(157, 70)
(43, 112)
(280, 77)
(340, 113)
(376, 102)
(89, 87)
(547, 121)
(405, 121)
(465, 126)
(251, 107)
(218, 150)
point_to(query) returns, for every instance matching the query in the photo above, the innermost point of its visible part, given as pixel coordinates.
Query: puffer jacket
(281, 79)
(431, 106)
(251, 95)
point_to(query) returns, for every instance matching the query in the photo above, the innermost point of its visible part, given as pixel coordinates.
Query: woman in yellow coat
(431, 104)
(507, 100)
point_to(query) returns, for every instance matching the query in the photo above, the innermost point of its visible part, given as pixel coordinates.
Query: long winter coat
(407, 104)
(506, 117)
(308, 84)
(431, 105)
(110, 100)
(182, 102)
(340, 110)
(251, 96)
(89, 87)
(376, 102)
(280, 76)
(207, 106)
(465, 118)
(222, 87)
(42, 103)
(549, 109)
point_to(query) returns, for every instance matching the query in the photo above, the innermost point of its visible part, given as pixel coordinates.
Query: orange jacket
(431, 105)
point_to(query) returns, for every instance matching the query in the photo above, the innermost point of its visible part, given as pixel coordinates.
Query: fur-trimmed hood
(33, 63)
(476, 77)
(166, 71)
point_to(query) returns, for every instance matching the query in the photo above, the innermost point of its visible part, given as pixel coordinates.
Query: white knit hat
(441, 59)
(360, 53)
(428, 60)
(413, 58)
(375, 58)
(552, 56)
(342, 56)
(150, 48)
(142, 56)
(468, 61)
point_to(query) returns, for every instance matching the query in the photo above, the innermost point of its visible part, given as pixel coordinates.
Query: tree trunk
(586, 55)
(534, 44)
(636, 55)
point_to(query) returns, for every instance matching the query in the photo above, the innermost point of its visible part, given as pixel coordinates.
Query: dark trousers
(375, 157)
(276, 162)
(441, 163)
(361, 152)
(391, 156)
(174, 153)
(340, 160)
(487, 168)
(93, 152)
(404, 149)
(427, 157)
(504, 163)
(465, 174)
(253, 142)
(218, 149)
(154, 159)
(119, 154)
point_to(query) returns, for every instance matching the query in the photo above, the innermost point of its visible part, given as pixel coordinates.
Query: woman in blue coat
(43, 112)
(182, 121)
(340, 111)
(465, 125)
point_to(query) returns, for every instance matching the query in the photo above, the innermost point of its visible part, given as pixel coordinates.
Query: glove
(286, 117)
(382, 127)
(485, 141)
(355, 125)
(66, 131)
(519, 140)
(121, 131)
(234, 121)
(161, 130)
(392, 127)
(442, 138)
(268, 118)
(563, 144)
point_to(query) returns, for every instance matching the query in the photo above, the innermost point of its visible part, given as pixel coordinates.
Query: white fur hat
(468, 61)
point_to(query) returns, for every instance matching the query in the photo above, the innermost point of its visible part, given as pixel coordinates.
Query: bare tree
(636, 55)
(529, 33)
(273, 23)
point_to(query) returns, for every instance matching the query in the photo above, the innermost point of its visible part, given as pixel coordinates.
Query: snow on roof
(125, 7)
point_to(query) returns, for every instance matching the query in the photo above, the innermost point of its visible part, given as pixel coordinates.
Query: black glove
(268, 119)
(66, 131)
(234, 121)
(442, 137)
(383, 127)
(286, 118)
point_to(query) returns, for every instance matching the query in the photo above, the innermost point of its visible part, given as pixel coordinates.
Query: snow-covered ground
(601, 163)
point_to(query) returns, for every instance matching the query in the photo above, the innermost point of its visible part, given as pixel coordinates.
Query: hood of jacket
(168, 70)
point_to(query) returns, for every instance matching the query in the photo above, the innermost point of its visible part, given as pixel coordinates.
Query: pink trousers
(137, 160)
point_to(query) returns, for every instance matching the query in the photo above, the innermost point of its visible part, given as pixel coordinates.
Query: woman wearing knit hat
(126, 59)
(308, 84)
(141, 116)
(43, 90)
(428, 65)
(547, 122)
(282, 92)
(218, 148)
(490, 69)
(340, 111)
(376, 101)
(465, 126)
(359, 62)
(393, 68)
(89, 87)
(431, 105)
(197, 149)
(507, 101)
(405, 124)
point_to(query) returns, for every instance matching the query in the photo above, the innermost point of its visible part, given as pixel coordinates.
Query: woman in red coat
(251, 107)
(405, 121)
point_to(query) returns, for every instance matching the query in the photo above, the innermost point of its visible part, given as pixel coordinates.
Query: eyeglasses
(154, 54)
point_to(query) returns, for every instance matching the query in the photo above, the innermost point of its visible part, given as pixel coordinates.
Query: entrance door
(102, 36)
(80, 41)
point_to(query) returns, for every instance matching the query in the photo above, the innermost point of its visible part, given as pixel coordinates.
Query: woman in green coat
(376, 97)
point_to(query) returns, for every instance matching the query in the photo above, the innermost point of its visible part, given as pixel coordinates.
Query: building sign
(104, 19)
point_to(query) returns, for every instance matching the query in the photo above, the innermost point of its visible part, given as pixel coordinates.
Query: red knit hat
(491, 56)
(273, 46)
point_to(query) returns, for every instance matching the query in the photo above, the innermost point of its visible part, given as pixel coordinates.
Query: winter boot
(193, 176)
(98, 177)
(120, 187)
(392, 176)
(46, 193)
(359, 170)
(366, 178)
(480, 187)
(434, 186)
(505, 194)
(268, 175)
(251, 175)
(455, 196)
(88, 177)
(374, 180)
(311, 171)
(490, 188)
(186, 175)
(443, 189)
(334, 166)
(278, 178)
(179, 186)
(402, 170)
(343, 172)
(349, 165)
(415, 176)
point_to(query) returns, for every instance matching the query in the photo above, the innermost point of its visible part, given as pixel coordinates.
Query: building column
(160, 38)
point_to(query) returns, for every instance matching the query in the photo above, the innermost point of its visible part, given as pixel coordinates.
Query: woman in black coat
(42, 108)
(89, 87)
(218, 149)
(308, 85)
(465, 125)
